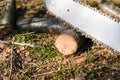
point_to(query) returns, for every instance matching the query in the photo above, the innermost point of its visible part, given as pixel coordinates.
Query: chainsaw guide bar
(91, 22)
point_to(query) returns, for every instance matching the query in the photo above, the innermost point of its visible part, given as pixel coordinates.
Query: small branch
(11, 62)
(20, 44)
(50, 72)
(26, 44)
(11, 65)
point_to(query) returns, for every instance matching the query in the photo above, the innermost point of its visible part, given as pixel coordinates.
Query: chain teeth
(64, 23)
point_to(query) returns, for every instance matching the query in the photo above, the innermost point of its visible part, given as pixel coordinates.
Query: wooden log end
(66, 44)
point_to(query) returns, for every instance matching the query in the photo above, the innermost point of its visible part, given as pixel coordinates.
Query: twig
(50, 72)
(17, 43)
(11, 62)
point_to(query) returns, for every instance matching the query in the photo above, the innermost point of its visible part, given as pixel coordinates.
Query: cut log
(43, 25)
(68, 42)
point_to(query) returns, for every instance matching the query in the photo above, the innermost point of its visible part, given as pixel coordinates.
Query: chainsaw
(98, 26)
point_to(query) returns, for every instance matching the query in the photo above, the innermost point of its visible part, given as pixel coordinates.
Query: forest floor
(92, 61)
